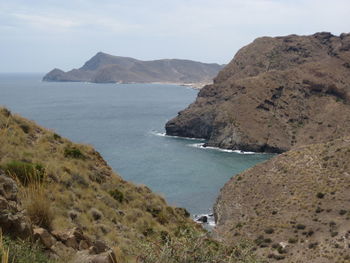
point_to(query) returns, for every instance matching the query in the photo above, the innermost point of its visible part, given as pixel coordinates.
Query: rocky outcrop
(277, 93)
(58, 244)
(295, 206)
(105, 68)
(75, 245)
(13, 220)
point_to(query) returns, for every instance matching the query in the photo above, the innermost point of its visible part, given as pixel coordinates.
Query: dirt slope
(295, 206)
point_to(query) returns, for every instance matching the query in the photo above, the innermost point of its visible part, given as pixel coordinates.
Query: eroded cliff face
(275, 94)
(294, 206)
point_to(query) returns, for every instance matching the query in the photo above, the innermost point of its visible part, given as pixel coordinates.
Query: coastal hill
(295, 206)
(66, 198)
(277, 93)
(63, 186)
(105, 68)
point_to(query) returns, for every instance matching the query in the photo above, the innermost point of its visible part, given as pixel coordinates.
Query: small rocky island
(105, 68)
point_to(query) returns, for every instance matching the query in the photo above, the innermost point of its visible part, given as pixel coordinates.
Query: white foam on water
(210, 218)
(201, 146)
(163, 134)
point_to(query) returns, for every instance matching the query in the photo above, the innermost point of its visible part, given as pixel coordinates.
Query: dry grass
(189, 246)
(4, 252)
(37, 204)
(76, 181)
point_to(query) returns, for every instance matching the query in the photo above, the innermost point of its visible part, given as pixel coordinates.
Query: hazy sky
(38, 35)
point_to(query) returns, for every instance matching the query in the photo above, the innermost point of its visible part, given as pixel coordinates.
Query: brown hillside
(295, 206)
(275, 94)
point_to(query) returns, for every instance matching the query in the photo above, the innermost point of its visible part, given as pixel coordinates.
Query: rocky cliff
(295, 206)
(276, 93)
(105, 68)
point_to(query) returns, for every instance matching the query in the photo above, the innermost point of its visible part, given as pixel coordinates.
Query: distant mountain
(105, 68)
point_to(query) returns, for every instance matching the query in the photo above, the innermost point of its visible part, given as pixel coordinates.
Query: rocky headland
(105, 68)
(276, 94)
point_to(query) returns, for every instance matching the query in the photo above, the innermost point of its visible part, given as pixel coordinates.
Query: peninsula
(105, 68)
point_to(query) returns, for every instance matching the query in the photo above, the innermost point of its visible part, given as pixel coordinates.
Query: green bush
(292, 240)
(320, 195)
(56, 136)
(25, 172)
(269, 230)
(25, 127)
(117, 195)
(73, 152)
(300, 226)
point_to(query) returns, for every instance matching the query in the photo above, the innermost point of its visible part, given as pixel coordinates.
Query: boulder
(73, 238)
(86, 257)
(202, 219)
(8, 188)
(13, 220)
(44, 236)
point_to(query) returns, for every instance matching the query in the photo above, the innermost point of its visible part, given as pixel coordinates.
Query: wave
(201, 146)
(163, 134)
(210, 220)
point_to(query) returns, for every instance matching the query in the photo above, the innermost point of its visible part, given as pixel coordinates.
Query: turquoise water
(125, 122)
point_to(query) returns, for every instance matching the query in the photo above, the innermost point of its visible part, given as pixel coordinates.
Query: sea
(125, 123)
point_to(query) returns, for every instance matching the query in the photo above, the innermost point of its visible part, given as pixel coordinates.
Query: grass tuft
(21, 251)
(24, 172)
(191, 247)
(4, 252)
(73, 152)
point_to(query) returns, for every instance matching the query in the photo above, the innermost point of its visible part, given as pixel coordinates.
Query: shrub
(319, 210)
(25, 127)
(6, 112)
(162, 218)
(19, 251)
(300, 226)
(56, 136)
(313, 245)
(292, 240)
(37, 204)
(182, 211)
(320, 195)
(73, 152)
(24, 172)
(342, 212)
(117, 195)
(334, 233)
(269, 230)
(192, 247)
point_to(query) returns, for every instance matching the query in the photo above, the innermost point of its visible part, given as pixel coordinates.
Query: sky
(39, 35)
